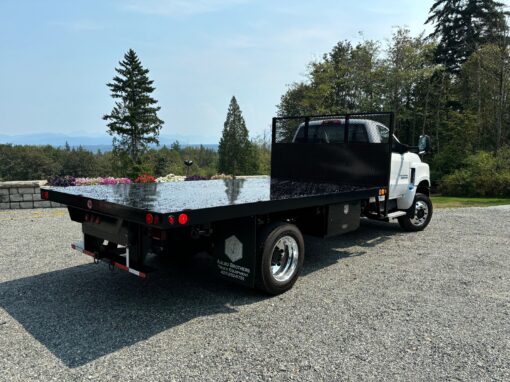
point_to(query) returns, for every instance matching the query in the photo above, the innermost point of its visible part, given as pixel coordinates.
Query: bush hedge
(482, 174)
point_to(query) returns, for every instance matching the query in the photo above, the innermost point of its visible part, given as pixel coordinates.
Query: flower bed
(170, 178)
(101, 181)
(145, 178)
(221, 176)
(62, 181)
(66, 181)
(195, 177)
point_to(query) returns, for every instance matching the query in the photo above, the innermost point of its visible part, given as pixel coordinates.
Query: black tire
(418, 221)
(268, 239)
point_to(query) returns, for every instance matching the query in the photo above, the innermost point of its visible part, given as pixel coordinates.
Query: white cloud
(180, 7)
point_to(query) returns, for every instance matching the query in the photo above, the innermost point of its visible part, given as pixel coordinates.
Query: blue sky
(57, 56)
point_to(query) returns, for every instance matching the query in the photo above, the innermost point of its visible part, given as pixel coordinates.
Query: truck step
(396, 214)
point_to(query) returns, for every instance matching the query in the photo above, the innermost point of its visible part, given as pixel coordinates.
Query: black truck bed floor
(208, 200)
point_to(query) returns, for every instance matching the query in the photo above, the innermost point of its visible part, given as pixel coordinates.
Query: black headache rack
(302, 150)
(320, 185)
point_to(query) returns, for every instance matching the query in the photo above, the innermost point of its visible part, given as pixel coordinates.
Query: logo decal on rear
(233, 248)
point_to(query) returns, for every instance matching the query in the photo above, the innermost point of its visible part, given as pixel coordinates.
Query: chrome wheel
(421, 213)
(284, 260)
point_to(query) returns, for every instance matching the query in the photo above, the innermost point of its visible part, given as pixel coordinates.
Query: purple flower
(196, 177)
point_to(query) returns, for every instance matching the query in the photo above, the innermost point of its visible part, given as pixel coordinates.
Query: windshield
(384, 132)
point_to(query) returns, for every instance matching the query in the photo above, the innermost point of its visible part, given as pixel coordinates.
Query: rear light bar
(182, 219)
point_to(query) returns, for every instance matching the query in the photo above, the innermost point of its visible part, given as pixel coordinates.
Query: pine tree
(133, 122)
(462, 26)
(235, 151)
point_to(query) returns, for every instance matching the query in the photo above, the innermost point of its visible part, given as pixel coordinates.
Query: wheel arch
(423, 187)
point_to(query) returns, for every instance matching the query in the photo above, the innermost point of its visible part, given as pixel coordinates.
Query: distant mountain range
(99, 142)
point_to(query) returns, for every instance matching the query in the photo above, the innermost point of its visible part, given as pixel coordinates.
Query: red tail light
(45, 195)
(149, 219)
(183, 219)
(171, 220)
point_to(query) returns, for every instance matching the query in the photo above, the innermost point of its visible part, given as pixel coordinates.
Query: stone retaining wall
(25, 194)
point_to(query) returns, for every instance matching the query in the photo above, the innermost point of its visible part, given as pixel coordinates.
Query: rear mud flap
(235, 250)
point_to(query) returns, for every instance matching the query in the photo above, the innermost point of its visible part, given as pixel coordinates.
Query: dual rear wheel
(281, 253)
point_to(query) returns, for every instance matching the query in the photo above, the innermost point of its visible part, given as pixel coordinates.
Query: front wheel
(422, 214)
(281, 255)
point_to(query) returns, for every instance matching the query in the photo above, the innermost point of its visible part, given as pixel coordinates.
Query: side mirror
(424, 144)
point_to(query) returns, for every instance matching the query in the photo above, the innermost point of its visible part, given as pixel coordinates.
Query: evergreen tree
(462, 26)
(133, 122)
(235, 151)
(176, 145)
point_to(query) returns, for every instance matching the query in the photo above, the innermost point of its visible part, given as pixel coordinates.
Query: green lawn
(454, 202)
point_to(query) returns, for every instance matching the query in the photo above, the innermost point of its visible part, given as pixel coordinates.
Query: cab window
(357, 133)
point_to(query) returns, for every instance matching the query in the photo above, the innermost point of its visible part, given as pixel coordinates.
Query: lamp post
(188, 164)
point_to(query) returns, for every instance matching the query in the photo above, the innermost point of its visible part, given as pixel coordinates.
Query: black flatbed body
(206, 201)
(318, 187)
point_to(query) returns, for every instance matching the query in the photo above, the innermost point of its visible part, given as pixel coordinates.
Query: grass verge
(455, 202)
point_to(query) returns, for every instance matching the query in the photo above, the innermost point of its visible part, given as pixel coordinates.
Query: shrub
(483, 174)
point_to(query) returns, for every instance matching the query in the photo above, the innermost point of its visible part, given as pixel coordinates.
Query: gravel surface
(377, 304)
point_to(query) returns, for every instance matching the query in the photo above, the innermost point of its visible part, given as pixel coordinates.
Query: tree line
(41, 162)
(29, 162)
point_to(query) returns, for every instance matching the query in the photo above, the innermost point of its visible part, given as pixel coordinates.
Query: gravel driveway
(377, 304)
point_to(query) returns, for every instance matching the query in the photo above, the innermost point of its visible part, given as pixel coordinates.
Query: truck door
(400, 171)
(399, 175)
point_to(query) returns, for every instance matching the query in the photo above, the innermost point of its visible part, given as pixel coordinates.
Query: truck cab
(409, 184)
